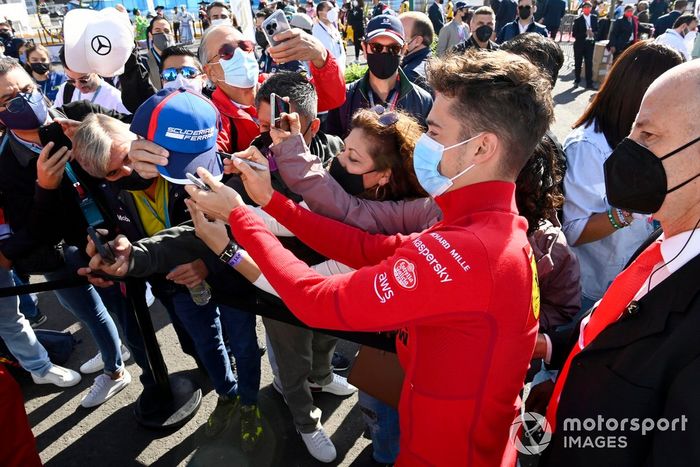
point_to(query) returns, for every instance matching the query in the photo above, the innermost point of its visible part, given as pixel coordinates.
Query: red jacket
(18, 447)
(462, 294)
(330, 96)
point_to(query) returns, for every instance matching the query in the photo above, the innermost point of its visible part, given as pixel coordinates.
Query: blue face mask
(426, 157)
(241, 70)
(25, 112)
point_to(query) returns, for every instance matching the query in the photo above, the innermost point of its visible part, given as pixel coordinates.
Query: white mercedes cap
(97, 41)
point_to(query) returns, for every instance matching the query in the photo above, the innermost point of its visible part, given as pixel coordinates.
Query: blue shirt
(584, 184)
(49, 87)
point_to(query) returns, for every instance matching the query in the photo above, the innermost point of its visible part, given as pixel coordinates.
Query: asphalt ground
(68, 435)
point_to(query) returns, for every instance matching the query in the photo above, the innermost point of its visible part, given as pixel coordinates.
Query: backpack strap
(68, 93)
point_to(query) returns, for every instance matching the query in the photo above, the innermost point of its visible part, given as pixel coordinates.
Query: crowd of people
(428, 201)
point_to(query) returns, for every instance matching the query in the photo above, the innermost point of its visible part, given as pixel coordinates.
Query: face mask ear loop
(676, 151)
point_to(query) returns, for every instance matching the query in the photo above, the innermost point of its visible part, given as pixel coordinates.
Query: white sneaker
(338, 386)
(96, 364)
(62, 377)
(319, 445)
(104, 388)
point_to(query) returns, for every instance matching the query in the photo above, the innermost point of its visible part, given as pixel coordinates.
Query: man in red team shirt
(463, 293)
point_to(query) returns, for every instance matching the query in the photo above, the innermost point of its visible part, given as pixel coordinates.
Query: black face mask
(524, 12)
(5, 35)
(263, 142)
(635, 179)
(352, 183)
(260, 38)
(383, 65)
(483, 33)
(133, 182)
(40, 68)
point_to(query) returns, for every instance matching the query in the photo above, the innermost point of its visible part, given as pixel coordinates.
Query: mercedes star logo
(101, 45)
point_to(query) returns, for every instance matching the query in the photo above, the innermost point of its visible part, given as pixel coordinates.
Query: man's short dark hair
(541, 51)
(680, 5)
(178, 51)
(217, 4)
(684, 19)
(586, 4)
(500, 93)
(264, 13)
(62, 56)
(300, 91)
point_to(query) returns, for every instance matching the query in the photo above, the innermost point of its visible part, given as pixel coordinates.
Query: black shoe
(251, 427)
(576, 83)
(38, 320)
(591, 86)
(220, 419)
(339, 362)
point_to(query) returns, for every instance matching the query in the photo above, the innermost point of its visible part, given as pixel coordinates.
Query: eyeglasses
(82, 80)
(385, 118)
(16, 104)
(377, 48)
(227, 50)
(188, 72)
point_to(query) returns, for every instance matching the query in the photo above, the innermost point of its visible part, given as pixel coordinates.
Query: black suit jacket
(436, 17)
(645, 365)
(579, 28)
(622, 29)
(665, 22)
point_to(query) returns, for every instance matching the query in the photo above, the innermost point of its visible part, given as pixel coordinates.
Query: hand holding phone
(53, 133)
(104, 249)
(278, 106)
(275, 24)
(197, 182)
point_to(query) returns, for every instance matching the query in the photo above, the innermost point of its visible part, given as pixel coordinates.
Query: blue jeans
(85, 303)
(383, 423)
(26, 302)
(18, 334)
(204, 326)
(243, 341)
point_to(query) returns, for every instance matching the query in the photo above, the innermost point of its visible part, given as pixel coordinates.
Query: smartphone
(54, 133)
(278, 106)
(254, 165)
(103, 248)
(197, 182)
(275, 24)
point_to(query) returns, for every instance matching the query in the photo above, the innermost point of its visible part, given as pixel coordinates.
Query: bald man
(627, 394)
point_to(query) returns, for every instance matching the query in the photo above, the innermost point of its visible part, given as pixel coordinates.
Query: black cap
(160, 7)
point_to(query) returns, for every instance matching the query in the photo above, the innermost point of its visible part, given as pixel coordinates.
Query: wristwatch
(229, 251)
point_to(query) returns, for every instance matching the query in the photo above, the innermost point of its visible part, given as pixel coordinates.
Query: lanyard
(154, 211)
(94, 96)
(89, 208)
(391, 99)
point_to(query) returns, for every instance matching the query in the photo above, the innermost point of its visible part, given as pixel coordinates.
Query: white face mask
(690, 39)
(219, 21)
(194, 84)
(241, 70)
(332, 15)
(427, 155)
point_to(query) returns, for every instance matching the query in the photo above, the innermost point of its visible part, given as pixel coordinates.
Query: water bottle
(201, 294)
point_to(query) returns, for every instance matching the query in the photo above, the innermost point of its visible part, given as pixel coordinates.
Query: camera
(271, 27)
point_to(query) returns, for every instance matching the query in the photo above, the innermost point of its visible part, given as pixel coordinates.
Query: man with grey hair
(44, 208)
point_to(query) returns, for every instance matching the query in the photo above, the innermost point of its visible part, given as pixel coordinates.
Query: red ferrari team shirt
(461, 294)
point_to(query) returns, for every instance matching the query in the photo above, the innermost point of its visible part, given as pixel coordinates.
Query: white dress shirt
(674, 40)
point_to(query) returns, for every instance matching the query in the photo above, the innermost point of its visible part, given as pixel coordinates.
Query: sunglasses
(377, 48)
(385, 118)
(16, 104)
(84, 80)
(227, 50)
(170, 74)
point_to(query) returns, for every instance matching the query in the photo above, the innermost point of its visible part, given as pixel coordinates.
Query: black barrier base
(164, 412)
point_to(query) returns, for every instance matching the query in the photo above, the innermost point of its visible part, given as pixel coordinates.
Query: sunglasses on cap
(16, 104)
(84, 80)
(227, 50)
(377, 48)
(386, 118)
(170, 74)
